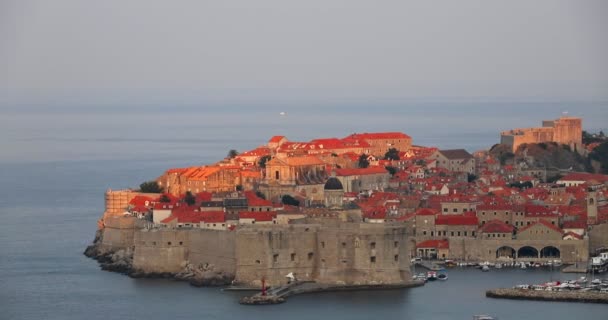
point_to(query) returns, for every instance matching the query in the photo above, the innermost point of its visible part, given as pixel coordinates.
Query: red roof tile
(496, 226)
(437, 244)
(545, 223)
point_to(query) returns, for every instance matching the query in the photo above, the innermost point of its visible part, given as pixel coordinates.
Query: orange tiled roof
(379, 135)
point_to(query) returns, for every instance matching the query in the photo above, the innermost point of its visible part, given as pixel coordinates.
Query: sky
(148, 52)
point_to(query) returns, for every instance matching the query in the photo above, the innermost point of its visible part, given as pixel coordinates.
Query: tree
(150, 187)
(391, 170)
(471, 177)
(289, 200)
(239, 187)
(363, 162)
(260, 195)
(263, 160)
(190, 198)
(232, 154)
(600, 154)
(521, 185)
(165, 198)
(391, 154)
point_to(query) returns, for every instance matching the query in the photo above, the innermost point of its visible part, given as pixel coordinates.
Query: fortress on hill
(565, 130)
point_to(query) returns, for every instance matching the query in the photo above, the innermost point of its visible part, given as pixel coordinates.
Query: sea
(57, 162)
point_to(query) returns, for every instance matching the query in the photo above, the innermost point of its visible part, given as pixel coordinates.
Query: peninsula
(354, 211)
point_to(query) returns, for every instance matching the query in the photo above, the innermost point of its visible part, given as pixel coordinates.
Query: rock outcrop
(111, 260)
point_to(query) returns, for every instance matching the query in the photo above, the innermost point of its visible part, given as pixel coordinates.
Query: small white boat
(523, 265)
(431, 276)
(498, 266)
(485, 268)
(484, 317)
(442, 276)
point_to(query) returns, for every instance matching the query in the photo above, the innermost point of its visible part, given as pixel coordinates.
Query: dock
(279, 294)
(565, 296)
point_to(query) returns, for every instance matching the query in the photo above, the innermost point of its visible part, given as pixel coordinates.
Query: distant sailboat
(282, 113)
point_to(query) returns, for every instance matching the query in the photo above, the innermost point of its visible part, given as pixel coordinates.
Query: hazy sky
(295, 52)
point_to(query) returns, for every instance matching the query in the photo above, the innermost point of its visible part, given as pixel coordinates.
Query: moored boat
(442, 276)
(431, 276)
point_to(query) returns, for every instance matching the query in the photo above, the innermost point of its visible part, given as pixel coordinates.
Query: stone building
(304, 176)
(565, 130)
(380, 142)
(363, 179)
(456, 160)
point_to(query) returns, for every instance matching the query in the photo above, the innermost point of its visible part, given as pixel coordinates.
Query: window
(258, 261)
(494, 212)
(459, 233)
(343, 244)
(396, 258)
(396, 244)
(181, 242)
(276, 175)
(153, 243)
(169, 243)
(432, 233)
(473, 233)
(275, 257)
(452, 233)
(465, 233)
(372, 245)
(445, 209)
(310, 255)
(293, 257)
(372, 259)
(322, 244)
(424, 233)
(455, 210)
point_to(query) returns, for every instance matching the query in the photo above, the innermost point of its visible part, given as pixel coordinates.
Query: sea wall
(160, 250)
(344, 254)
(566, 296)
(118, 233)
(598, 237)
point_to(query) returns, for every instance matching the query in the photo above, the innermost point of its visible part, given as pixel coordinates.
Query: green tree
(263, 160)
(150, 187)
(289, 200)
(239, 187)
(165, 198)
(391, 170)
(471, 177)
(232, 154)
(363, 162)
(260, 195)
(391, 154)
(600, 154)
(190, 199)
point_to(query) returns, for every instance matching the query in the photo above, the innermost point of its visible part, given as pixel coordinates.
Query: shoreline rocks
(121, 261)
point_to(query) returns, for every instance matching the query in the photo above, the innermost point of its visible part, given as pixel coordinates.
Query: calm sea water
(56, 164)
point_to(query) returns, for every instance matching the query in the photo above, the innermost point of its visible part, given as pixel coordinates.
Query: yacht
(431, 276)
(600, 263)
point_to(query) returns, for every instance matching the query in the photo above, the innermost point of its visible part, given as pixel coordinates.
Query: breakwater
(566, 296)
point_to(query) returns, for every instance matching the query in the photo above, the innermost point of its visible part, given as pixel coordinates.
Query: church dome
(333, 184)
